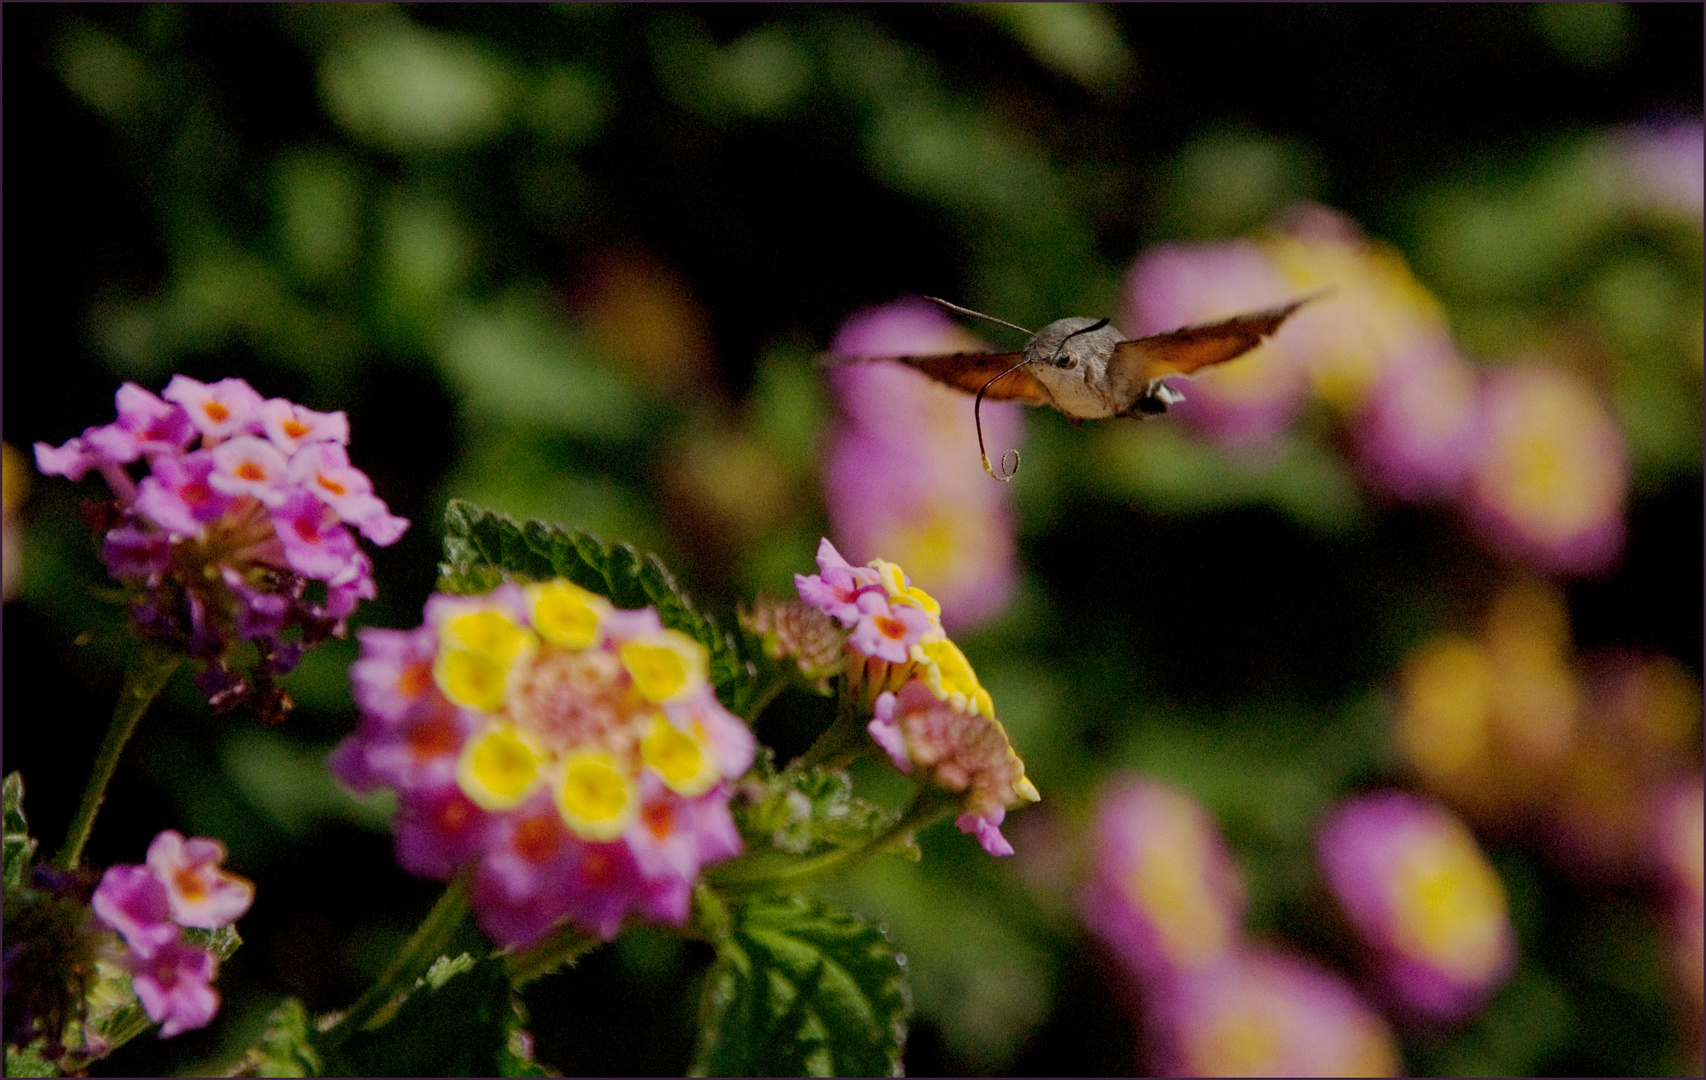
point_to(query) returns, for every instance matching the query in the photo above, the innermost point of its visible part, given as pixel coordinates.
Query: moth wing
(969, 371)
(1189, 350)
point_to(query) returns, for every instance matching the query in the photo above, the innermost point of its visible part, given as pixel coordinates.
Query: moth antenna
(1006, 474)
(1075, 333)
(978, 315)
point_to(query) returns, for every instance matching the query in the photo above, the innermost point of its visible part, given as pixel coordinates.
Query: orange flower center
(659, 819)
(537, 838)
(190, 884)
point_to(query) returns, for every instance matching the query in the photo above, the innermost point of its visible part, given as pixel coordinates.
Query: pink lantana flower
(1550, 482)
(836, 587)
(180, 885)
(220, 541)
(220, 410)
(200, 893)
(572, 754)
(133, 901)
(928, 711)
(292, 427)
(174, 985)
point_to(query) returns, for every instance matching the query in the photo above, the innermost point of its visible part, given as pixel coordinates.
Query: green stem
(765, 697)
(143, 680)
(930, 805)
(840, 742)
(430, 940)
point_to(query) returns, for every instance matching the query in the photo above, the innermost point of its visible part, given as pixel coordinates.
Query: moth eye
(1066, 361)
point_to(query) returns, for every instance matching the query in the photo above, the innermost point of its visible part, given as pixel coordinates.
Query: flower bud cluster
(929, 712)
(179, 885)
(246, 501)
(571, 753)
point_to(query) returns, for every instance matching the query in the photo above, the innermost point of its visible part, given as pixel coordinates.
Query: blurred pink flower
(1163, 892)
(181, 885)
(1549, 485)
(1248, 400)
(1261, 1012)
(902, 477)
(1424, 899)
(1420, 429)
(1376, 310)
(174, 984)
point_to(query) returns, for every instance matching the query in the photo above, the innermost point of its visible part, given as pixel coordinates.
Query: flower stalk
(430, 940)
(144, 679)
(929, 806)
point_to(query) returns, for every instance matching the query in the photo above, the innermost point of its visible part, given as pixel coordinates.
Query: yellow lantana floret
(667, 667)
(478, 652)
(1449, 904)
(566, 614)
(596, 796)
(682, 758)
(901, 592)
(949, 675)
(498, 769)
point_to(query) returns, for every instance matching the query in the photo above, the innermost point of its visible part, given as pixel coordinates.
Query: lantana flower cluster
(570, 754)
(928, 711)
(247, 499)
(179, 885)
(1167, 898)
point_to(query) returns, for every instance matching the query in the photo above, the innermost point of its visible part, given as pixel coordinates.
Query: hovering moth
(1087, 370)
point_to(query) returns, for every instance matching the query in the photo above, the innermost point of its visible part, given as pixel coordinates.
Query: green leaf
(286, 1049)
(802, 989)
(483, 549)
(221, 942)
(455, 1023)
(18, 846)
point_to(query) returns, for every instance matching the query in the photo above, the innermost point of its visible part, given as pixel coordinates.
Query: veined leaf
(482, 549)
(800, 988)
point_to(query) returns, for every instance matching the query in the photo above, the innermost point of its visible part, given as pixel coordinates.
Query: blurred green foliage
(573, 262)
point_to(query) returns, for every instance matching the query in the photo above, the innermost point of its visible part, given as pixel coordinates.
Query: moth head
(1067, 343)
